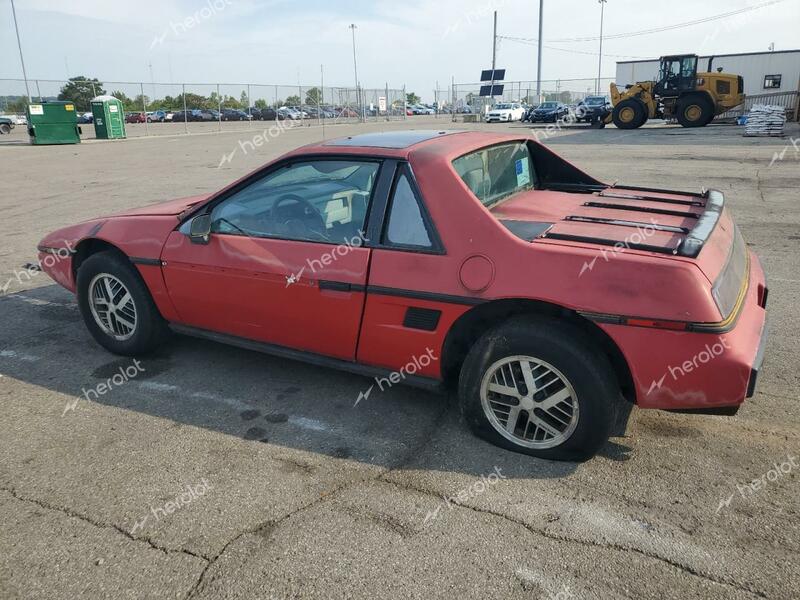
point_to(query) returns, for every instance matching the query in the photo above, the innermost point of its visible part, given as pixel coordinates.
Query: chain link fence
(466, 97)
(162, 107)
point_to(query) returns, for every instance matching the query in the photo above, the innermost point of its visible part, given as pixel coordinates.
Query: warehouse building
(763, 72)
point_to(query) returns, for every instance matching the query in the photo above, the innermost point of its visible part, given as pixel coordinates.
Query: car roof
(444, 145)
(390, 139)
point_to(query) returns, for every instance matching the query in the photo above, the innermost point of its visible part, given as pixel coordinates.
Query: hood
(669, 224)
(170, 207)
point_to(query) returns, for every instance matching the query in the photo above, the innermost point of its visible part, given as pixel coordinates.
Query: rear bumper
(692, 370)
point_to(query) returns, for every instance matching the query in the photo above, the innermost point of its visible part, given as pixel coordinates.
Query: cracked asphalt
(305, 495)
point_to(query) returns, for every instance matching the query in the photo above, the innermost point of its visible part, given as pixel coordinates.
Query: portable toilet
(109, 118)
(53, 123)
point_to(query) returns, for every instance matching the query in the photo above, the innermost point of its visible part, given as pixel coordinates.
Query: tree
(80, 91)
(313, 97)
(260, 103)
(412, 98)
(244, 101)
(292, 101)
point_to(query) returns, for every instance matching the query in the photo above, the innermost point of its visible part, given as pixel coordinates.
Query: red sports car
(476, 261)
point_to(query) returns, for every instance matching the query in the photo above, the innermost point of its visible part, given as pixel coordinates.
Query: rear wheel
(532, 385)
(117, 307)
(5, 128)
(629, 114)
(694, 111)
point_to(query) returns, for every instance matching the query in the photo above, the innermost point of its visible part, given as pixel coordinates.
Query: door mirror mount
(200, 229)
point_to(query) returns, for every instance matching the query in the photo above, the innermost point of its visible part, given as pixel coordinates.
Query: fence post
(144, 107)
(322, 96)
(219, 109)
(405, 108)
(249, 104)
(185, 111)
(39, 92)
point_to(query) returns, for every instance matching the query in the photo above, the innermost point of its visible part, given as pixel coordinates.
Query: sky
(413, 43)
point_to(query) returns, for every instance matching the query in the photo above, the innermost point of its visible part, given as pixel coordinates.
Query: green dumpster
(108, 117)
(53, 123)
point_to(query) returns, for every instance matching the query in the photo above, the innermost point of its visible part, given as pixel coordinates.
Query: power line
(534, 42)
(669, 27)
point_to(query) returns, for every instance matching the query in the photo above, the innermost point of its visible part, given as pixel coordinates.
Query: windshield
(548, 105)
(503, 107)
(595, 100)
(497, 172)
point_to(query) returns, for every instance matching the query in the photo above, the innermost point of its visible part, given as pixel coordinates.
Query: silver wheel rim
(112, 306)
(529, 402)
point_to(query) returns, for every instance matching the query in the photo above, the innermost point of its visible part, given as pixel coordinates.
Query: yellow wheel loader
(681, 93)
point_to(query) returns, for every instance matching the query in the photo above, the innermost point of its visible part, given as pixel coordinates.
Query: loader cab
(676, 74)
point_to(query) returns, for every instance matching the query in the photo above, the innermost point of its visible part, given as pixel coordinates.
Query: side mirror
(200, 229)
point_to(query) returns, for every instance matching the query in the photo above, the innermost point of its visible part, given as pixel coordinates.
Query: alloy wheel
(112, 306)
(529, 402)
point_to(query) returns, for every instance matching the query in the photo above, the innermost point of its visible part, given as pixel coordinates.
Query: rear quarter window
(497, 172)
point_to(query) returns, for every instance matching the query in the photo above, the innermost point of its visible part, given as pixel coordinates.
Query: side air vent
(425, 319)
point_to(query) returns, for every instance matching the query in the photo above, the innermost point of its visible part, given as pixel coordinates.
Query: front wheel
(533, 385)
(629, 114)
(116, 306)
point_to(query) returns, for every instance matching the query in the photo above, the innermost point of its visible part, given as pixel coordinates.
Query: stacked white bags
(765, 119)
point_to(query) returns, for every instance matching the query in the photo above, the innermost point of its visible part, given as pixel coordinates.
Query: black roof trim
(391, 139)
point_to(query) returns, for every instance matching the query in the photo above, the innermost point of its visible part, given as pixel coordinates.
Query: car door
(407, 251)
(284, 262)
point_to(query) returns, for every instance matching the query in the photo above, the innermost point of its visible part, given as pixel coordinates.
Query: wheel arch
(89, 246)
(470, 326)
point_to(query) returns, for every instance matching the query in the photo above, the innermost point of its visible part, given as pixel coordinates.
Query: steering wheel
(310, 213)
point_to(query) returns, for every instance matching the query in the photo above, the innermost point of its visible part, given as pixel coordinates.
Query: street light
(600, 58)
(19, 43)
(355, 66)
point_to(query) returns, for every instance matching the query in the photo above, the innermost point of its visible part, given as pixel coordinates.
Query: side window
(406, 226)
(318, 201)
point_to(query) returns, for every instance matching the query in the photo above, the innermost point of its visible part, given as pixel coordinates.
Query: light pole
(355, 67)
(539, 57)
(600, 58)
(19, 43)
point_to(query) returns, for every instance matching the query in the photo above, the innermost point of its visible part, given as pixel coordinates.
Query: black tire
(694, 111)
(150, 329)
(5, 128)
(561, 346)
(629, 114)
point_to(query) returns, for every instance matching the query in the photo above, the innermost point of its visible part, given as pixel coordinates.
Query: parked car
(234, 114)
(135, 117)
(549, 112)
(255, 113)
(592, 109)
(505, 112)
(477, 269)
(157, 116)
(16, 119)
(286, 112)
(268, 114)
(6, 125)
(86, 118)
(181, 116)
(203, 114)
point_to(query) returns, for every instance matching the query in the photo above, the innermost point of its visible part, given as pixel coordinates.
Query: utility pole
(494, 57)
(539, 57)
(600, 59)
(355, 68)
(22, 60)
